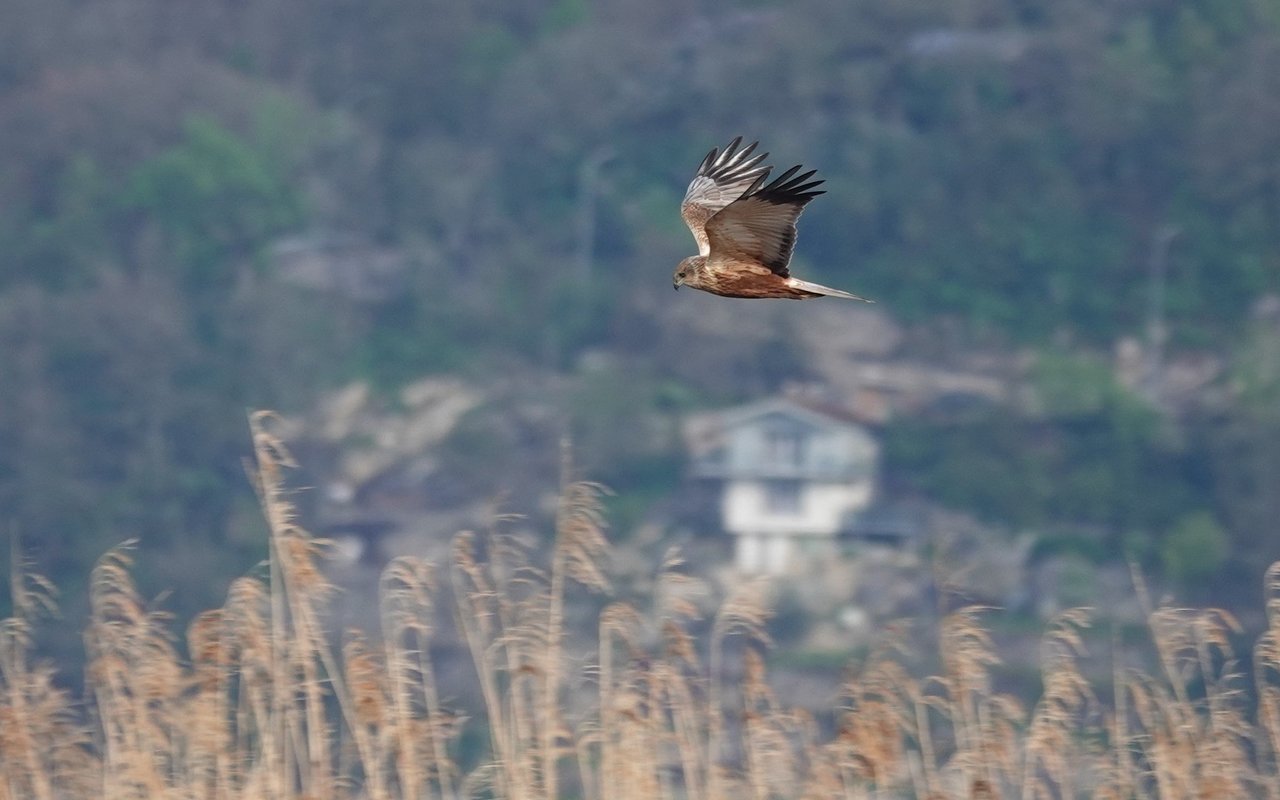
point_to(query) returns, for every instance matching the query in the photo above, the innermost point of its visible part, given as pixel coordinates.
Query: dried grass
(263, 707)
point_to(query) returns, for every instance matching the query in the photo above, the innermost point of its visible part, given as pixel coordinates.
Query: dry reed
(265, 706)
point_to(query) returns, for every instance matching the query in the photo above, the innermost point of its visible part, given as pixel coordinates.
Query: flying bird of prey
(746, 228)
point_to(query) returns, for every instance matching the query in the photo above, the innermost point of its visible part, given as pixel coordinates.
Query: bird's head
(685, 270)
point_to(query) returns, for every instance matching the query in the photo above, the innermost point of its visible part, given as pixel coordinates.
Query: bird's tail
(818, 288)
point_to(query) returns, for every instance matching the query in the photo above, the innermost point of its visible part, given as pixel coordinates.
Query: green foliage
(60, 244)
(1077, 584)
(1195, 549)
(1097, 457)
(992, 466)
(615, 429)
(409, 338)
(789, 620)
(1014, 183)
(1068, 385)
(1244, 448)
(215, 199)
(1256, 368)
(564, 14)
(1073, 544)
(489, 49)
(578, 315)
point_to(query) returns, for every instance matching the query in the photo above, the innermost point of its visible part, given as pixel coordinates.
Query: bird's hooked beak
(676, 283)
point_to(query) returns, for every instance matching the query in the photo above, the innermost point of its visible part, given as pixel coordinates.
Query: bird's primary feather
(722, 178)
(761, 225)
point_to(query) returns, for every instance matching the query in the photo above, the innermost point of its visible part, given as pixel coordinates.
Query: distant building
(795, 478)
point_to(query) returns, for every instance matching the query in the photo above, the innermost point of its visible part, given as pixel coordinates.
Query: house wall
(791, 479)
(822, 507)
(776, 553)
(758, 554)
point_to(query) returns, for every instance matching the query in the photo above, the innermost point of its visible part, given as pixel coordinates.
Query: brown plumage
(745, 228)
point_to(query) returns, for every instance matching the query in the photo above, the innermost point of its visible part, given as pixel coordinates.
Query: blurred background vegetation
(1032, 175)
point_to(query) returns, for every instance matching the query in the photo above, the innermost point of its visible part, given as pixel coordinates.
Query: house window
(782, 497)
(785, 446)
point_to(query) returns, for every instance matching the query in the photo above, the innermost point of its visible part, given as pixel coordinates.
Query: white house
(793, 478)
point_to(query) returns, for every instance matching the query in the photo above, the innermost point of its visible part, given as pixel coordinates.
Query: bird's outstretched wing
(722, 178)
(760, 226)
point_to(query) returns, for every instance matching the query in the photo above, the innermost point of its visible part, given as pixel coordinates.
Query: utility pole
(588, 179)
(1157, 330)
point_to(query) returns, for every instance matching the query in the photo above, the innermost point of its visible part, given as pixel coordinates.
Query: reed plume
(257, 700)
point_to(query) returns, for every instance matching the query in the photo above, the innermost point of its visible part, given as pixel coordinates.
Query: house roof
(706, 430)
(710, 440)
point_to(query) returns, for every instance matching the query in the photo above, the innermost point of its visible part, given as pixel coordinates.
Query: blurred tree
(215, 200)
(1245, 443)
(1195, 550)
(1094, 455)
(999, 168)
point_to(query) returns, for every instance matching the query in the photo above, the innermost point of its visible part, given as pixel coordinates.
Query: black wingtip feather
(707, 162)
(788, 187)
(781, 179)
(731, 164)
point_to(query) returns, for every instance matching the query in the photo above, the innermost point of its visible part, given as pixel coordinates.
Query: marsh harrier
(746, 228)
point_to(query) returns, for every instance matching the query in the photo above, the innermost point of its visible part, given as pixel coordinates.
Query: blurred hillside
(207, 207)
